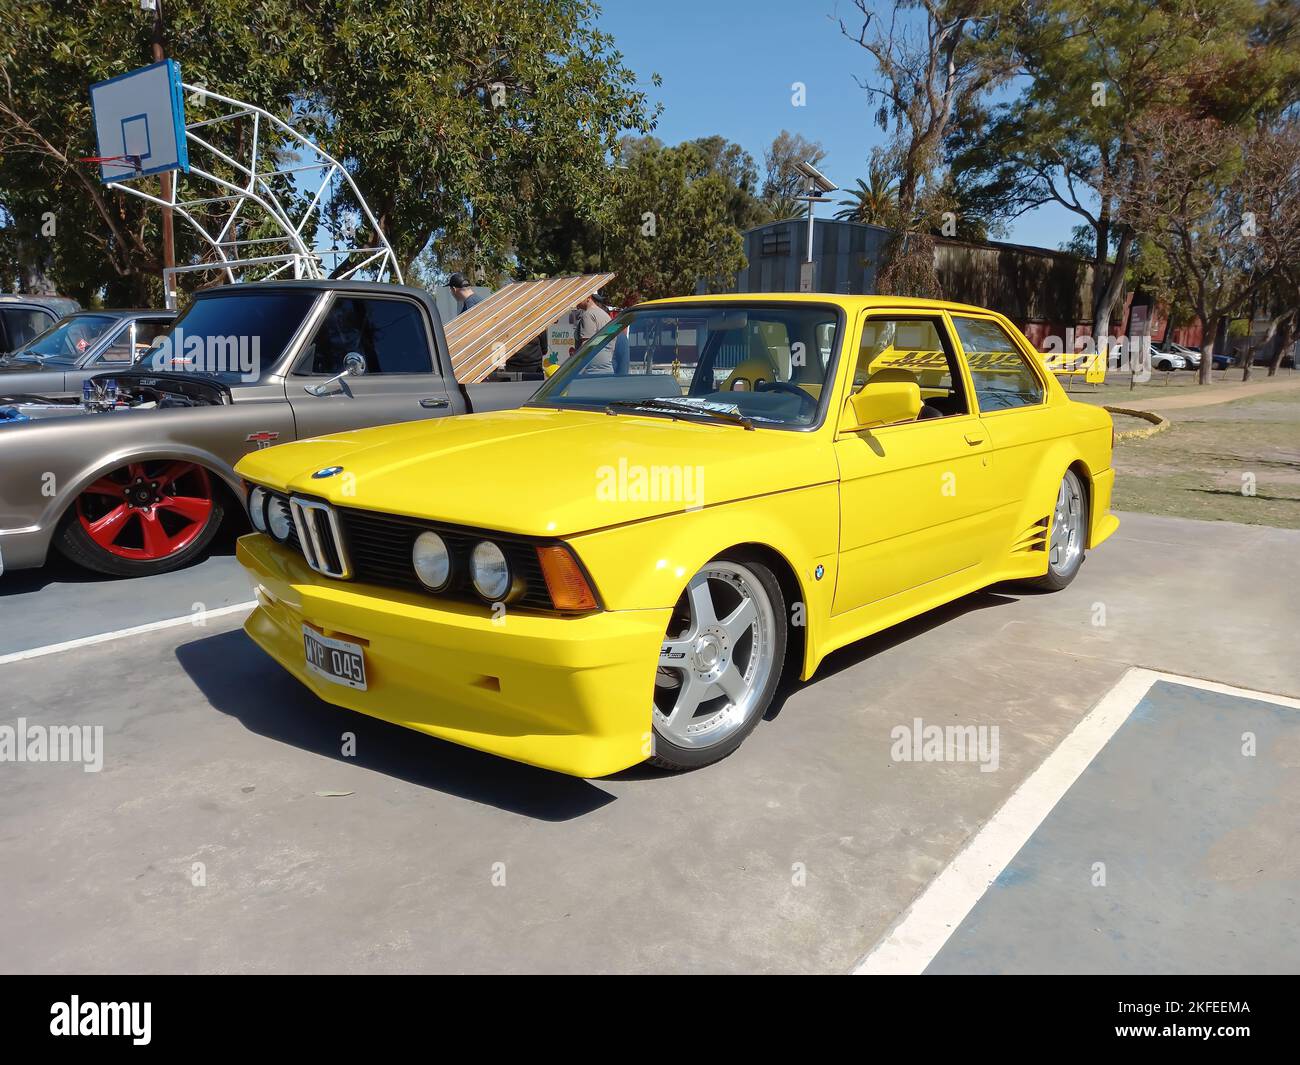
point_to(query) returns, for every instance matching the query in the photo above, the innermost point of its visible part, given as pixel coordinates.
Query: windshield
(760, 363)
(233, 336)
(67, 339)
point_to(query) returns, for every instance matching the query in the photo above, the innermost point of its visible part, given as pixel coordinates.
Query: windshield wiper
(668, 406)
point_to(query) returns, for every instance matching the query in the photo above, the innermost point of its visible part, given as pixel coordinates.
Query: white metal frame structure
(292, 250)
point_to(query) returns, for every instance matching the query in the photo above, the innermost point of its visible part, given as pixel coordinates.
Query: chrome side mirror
(354, 365)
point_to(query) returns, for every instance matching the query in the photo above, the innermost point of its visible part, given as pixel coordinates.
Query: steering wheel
(785, 386)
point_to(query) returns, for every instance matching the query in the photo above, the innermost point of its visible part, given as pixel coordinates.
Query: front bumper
(569, 694)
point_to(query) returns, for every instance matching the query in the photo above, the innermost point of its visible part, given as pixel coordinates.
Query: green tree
(459, 123)
(49, 55)
(1217, 209)
(671, 225)
(1092, 70)
(935, 60)
(782, 183)
(874, 201)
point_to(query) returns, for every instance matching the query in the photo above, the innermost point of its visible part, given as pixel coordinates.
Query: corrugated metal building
(1045, 292)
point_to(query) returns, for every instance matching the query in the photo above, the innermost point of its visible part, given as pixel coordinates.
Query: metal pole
(812, 193)
(166, 178)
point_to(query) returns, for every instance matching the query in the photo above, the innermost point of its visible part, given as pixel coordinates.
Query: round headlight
(278, 519)
(431, 560)
(257, 508)
(489, 571)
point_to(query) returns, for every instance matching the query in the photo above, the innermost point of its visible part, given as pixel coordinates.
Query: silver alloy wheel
(713, 671)
(1067, 526)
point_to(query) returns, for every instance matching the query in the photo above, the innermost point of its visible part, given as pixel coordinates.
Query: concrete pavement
(797, 854)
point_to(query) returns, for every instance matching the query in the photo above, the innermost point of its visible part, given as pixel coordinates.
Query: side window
(388, 333)
(918, 348)
(999, 372)
(22, 326)
(120, 347)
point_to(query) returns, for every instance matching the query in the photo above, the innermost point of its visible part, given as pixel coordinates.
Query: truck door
(400, 381)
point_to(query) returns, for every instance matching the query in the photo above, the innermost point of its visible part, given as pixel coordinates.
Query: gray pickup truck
(138, 478)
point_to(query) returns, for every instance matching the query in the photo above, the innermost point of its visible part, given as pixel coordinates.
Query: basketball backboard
(140, 122)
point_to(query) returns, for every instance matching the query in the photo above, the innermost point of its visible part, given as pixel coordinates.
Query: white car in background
(1176, 356)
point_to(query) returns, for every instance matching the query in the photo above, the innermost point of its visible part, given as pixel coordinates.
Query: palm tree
(874, 201)
(784, 206)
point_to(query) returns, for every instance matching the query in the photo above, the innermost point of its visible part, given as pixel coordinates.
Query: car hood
(544, 472)
(28, 366)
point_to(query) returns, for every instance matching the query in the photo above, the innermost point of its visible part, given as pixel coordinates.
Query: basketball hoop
(240, 192)
(132, 161)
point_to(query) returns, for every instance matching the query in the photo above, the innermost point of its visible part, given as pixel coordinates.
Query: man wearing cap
(464, 292)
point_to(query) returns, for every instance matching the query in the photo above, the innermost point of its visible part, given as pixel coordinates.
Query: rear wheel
(142, 518)
(719, 665)
(1068, 536)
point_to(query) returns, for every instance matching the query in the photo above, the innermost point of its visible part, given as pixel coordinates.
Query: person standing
(464, 292)
(592, 318)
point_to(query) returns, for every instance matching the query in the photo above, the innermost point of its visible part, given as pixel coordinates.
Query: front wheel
(1068, 536)
(719, 665)
(143, 518)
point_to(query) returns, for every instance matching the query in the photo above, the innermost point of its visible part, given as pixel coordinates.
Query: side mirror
(354, 365)
(882, 403)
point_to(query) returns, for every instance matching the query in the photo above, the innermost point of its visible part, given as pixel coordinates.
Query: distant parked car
(1165, 359)
(23, 318)
(54, 364)
(1222, 362)
(1190, 355)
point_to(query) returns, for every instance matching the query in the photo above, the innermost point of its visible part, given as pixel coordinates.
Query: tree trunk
(1249, 364)
(1104, 303)
(1286, 336)
(1205, 376)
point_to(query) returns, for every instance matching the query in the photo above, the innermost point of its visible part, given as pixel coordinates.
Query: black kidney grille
(380, 549)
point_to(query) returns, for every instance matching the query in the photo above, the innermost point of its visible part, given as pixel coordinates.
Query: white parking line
(197, 619)
(915, 939)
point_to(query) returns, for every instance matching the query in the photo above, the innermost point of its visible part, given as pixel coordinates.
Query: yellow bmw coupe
(713, 493)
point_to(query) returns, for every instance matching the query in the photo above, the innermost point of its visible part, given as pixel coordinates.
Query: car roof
(823, 298)
(319, 285)
(122, 312)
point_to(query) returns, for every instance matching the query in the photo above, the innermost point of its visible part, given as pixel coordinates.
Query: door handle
(434, 402)
(974, 439)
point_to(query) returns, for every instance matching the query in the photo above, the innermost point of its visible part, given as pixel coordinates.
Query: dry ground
(1235, 460)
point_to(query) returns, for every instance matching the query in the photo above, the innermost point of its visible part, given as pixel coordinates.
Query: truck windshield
(66, 340)
(766, 364)
(233, 336)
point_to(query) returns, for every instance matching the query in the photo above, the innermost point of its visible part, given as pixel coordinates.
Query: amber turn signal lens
(564, 579)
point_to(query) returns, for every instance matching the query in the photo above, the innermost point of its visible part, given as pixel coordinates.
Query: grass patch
(1211, 460)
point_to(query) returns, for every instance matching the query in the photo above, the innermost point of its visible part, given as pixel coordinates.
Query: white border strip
(196, 619)
(926, 925)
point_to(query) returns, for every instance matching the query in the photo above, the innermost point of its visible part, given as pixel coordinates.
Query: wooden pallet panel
(485, 336)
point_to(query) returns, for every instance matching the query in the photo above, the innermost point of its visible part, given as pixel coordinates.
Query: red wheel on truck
(145, 517)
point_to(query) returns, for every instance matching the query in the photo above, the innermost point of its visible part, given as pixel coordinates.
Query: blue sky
(727, 68)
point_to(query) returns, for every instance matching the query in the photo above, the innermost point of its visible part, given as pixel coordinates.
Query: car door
(400, 382)
(1011, 395)
(915, 500)
(113, 354)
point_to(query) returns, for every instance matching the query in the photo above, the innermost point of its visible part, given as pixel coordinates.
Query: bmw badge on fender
(713, 493)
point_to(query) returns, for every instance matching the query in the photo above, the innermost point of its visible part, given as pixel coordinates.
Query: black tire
(74, 543)
(1056, 578)
(673, 757)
